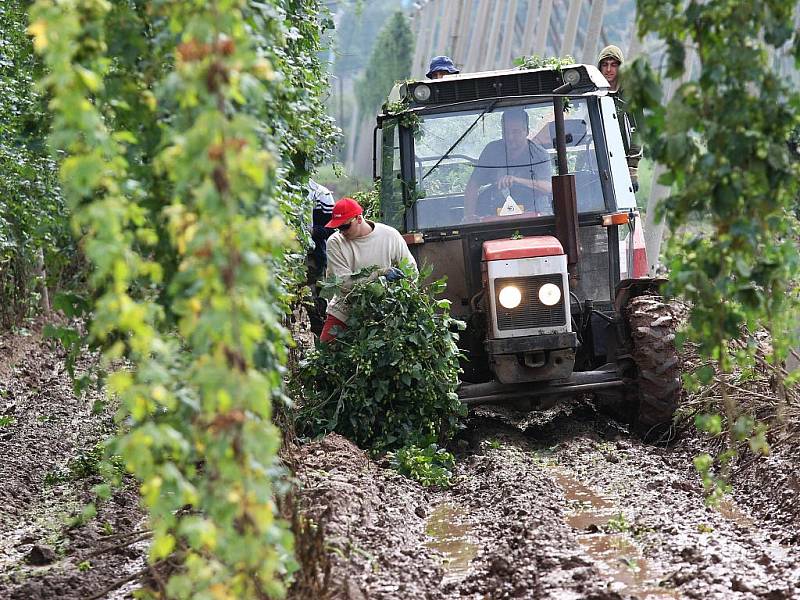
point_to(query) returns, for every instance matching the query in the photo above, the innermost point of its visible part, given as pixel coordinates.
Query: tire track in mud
(631, 521)
(555, 505)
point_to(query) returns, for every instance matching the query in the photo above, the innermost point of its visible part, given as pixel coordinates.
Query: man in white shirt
(357, 244)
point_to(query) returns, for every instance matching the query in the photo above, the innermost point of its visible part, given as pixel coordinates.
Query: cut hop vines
(390, 378)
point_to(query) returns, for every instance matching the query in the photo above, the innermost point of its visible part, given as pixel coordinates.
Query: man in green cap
(609, 61)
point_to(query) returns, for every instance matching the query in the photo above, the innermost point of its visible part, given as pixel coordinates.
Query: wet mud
(561, 505)
(564, 504)
(46, 551)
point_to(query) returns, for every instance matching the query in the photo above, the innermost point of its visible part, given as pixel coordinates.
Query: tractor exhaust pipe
(565, 203)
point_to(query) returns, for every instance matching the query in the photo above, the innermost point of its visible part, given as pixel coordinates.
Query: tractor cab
(514, 185)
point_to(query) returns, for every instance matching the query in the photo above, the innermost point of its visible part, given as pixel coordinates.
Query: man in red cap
(357, 244)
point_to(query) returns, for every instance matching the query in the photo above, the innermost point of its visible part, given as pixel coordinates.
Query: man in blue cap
(441, 66)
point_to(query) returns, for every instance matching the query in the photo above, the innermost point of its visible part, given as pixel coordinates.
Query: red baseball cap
(344, 210)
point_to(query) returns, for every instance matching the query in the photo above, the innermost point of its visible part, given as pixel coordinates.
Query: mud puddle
(595, 517)
(450, 535)
(733, 513)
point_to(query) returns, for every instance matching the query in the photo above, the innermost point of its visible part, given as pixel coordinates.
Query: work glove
(393, 274)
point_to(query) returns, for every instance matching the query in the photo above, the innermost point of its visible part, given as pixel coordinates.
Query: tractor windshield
(485, 165)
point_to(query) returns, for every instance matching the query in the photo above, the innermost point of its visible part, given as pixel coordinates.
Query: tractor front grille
(531, 313)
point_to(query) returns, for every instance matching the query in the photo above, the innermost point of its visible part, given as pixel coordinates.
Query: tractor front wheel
(652, 324)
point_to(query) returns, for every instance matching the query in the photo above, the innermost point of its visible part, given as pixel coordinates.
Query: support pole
(543, 27)
(593, 32)
(571, 28)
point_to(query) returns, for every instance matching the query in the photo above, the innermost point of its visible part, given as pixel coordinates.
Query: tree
(356, 32)
(390, 61)
(724, 141)
(33, 221)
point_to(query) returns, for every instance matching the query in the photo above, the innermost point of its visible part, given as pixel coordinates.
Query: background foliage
(723, 139)
(390, 61)
(33, 220)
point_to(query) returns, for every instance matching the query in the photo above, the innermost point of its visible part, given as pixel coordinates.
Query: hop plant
(390, 379)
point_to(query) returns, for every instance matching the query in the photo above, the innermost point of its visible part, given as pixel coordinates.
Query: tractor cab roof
(585, 80)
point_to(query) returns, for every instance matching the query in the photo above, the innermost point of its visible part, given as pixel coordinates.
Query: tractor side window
(393, 212)
(485, 165)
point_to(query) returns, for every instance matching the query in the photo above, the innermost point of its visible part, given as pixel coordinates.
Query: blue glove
(393, 274)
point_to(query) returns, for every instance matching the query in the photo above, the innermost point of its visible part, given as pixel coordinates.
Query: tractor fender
(630, 288)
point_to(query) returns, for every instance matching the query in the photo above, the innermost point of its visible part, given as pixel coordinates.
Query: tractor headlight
(510, 296)
(549, 294)
(422, 93)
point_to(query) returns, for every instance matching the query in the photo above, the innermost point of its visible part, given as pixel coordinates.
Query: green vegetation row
(34, 231)
(724, 139)
(184, 132)
(388, 382)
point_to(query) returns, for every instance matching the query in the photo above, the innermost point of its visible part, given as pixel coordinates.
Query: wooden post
(589, 55)
(460, 33)
(571, 28)
(41, 276)
(488, 57)
(437, 9)
(423, 42)
(543, 27)
(654, 229)
(477, 41)
(506, 60)
(355, 122)
(530, 27)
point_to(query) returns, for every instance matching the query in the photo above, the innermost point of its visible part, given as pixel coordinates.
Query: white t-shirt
(384, 247)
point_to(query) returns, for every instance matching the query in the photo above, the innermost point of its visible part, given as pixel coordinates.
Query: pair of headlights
(510, 296)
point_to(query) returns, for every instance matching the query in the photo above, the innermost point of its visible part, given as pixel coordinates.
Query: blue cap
(441, 63)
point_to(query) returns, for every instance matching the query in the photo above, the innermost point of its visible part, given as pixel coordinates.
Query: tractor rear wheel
(652, 324)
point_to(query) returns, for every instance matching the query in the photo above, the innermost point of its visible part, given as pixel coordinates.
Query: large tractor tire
(652, 324)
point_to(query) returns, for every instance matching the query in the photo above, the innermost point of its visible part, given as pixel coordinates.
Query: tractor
(514, 185)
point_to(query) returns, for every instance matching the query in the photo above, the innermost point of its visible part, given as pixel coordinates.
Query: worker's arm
(477, 178)
(403, 253)
(471, 197)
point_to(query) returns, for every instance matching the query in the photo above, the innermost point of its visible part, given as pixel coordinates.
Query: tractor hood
(527, 247)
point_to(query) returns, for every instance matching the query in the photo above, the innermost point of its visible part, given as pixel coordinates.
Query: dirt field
(47, 473)
(559, 505)
(565, 504)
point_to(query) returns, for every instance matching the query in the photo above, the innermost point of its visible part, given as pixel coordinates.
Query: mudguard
(630, 288)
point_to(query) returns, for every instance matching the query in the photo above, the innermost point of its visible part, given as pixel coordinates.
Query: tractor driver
(514, 166)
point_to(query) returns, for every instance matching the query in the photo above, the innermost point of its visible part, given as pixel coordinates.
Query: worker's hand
(506, 181)
(393, 274)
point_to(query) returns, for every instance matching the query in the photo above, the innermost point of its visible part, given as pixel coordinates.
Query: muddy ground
(47, 468)
(563, 504)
